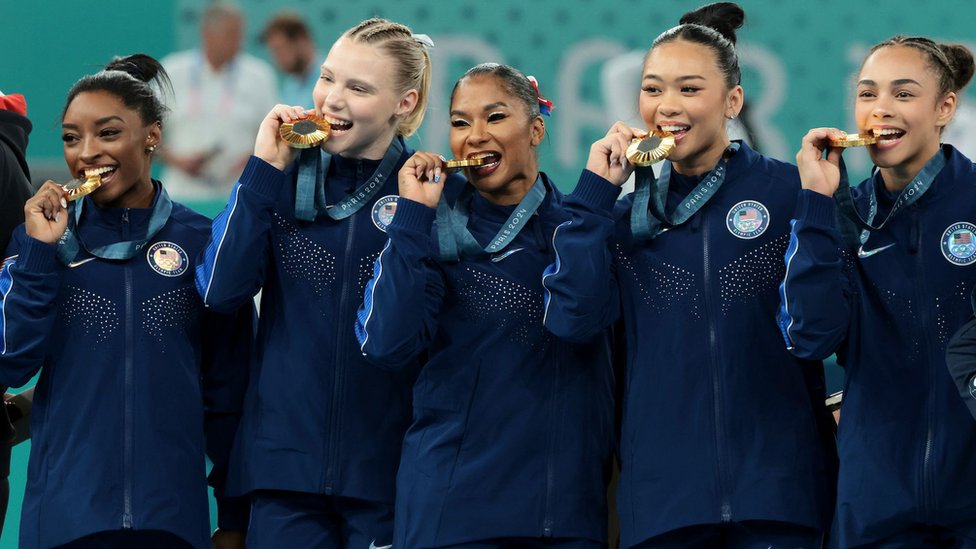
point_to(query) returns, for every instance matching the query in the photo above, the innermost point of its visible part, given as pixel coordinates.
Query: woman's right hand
(608, 156)
(269, 146)
(817, 173)
(421, 178)
(46, 213)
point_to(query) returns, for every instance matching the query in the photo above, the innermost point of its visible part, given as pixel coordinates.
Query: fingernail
(57, 217)
(64, 203)
(437, 179)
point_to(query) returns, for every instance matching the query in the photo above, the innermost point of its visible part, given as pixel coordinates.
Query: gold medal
(305, 133)
(644, 151)
(78, 188)
(854, 140)
(465, 163)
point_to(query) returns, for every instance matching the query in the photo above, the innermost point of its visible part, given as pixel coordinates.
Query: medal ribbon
(70, 243)
(643, 225)
(452, 225)
(313, 169)
(855, 229)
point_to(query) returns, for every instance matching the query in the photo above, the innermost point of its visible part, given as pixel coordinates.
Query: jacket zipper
(547, 522)
(127, 520)
(717, 401)
(342, 333)
(925, 313)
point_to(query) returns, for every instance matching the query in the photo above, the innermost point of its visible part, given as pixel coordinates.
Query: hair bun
(141, 66)
(961, 62)
(724, 17)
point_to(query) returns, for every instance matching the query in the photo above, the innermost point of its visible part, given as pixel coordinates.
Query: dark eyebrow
(367, 85)
(899, 82)
(99, 122)
(107, 119)
(679, 79)
(495, 105)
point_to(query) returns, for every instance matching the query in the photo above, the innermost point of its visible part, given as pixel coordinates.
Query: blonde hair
(412, 63)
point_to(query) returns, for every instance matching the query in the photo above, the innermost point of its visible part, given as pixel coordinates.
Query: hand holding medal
(421, 178)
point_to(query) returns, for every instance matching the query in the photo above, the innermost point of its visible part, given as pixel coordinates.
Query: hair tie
(424, 41)
(545, 105)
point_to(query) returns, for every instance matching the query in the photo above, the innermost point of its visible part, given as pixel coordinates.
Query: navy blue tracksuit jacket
(318, 418)
(720, 423)
(906, 440)
(512, 428)
(137, 381)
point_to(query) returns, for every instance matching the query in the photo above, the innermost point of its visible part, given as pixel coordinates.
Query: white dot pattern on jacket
(89, 315)
(303, 259)
(946, 311)
(903, 308)
(175, 309)
(366, 266)
(662, 286)
(516, 309)
(753, 274)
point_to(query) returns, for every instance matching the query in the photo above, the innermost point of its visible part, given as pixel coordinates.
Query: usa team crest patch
(747, 219)
(383, 211)
(959, 244)
(167, 259)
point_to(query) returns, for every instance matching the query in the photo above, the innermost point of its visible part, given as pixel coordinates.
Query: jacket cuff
(233, 513)
(596, 191)
(38, 257)
(816, 209)
(262, 178)
(413, 216)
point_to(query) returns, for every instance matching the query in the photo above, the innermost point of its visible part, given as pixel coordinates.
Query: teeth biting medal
(305, 132)
(466, 162)
(855, 140)
(655, 147)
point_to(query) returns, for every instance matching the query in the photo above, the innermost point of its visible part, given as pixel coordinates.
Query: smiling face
(488, 121)
(356, 94)
(101, 135)
(684, 92)
(898, 99)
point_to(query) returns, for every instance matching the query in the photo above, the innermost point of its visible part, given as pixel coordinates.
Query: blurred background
(798, 60)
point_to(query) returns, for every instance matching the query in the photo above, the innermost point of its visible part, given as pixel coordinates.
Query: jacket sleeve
(29, 283)
(233, 265)
(398, 317)
(961, 360)
(227, 346)
(580, 292)
(816, 293)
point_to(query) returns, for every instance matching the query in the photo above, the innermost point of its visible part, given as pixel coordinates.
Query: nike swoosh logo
(372, 545)
(495, 259)
(862, 253)
(74, 264)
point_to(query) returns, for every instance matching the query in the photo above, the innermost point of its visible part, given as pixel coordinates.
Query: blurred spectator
(290, 42)
(221, 94)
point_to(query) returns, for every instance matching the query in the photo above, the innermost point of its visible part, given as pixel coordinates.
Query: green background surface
(798, 59)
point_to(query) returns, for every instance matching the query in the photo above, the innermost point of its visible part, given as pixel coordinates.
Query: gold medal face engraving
(644, 151)
(305, 133)
(854, 140)
(78, 188)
